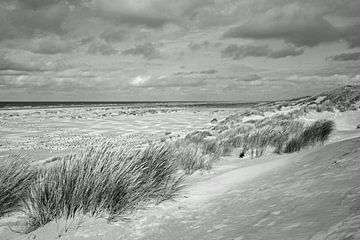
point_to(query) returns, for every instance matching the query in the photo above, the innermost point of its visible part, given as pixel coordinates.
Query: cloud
(6, 64)
(22, 20)
(301, 24)
(151, 13)
(140, 80)
(352, 35)
(249, 78)
(114, 36)
(28, 18)
(165, 82)
(209, 71)
(67, 81)
(50, 45)
(39, 4)
(339, 79)
(285, 52)
(147, 50)
(98, 47)
(346, 57)
(239, 52)
(47, 83)
(197, 46)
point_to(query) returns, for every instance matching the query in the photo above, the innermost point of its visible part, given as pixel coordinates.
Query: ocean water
(64, 104)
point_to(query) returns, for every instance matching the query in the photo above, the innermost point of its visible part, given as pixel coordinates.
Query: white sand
(310, 195)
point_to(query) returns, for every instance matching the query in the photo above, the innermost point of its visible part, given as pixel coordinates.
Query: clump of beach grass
(317, 132)
(280, 133)
(198, 151)
(105, 180)
(16, 177)
(191, 157)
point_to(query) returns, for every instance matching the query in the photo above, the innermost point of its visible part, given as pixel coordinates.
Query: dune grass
(317, 132)
(16, 177)
(104, 180)
(190, 158)
(109, 180)
(281, 133)
(199, 150)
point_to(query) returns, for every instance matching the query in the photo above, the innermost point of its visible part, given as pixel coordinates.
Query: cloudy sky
(139, 50)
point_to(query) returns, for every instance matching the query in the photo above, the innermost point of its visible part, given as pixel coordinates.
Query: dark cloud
(249, 78)
(50, 45)
(101, 48)
(12, 73)
(346, 57)
(39, 4)
(298, 23)
(352, 35)
(209, 71)
(114, 36)
(238, 52)
(148, 51)
(21, 22)
(28, 18)
(185, 73)
(87, 40)
(197, 46)
(7, 64)
(151, 13)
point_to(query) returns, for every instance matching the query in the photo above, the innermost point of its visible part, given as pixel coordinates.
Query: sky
(172, 50)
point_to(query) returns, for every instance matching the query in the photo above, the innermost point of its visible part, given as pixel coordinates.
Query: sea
(167, 104)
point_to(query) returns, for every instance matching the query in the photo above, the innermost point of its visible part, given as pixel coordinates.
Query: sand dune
(313, 194)
(309, 195)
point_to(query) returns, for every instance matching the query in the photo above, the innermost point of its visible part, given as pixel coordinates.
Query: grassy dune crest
(281, 133)
(106, 179)
(16, 177)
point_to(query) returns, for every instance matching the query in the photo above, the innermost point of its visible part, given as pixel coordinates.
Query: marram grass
(317, 132)
(16, 177)
(102, 180)
(110, 180)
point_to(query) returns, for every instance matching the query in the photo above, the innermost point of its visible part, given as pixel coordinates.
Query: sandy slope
(313, 195)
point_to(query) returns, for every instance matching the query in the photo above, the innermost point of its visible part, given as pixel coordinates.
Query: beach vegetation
(317, 132)
(105, 180)
(16, 177)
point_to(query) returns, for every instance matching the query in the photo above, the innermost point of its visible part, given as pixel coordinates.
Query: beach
(44, 132)
(307, 193)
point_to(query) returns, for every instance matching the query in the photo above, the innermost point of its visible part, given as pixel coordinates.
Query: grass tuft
(16, 176)
(102, 180)
(317, 132)
(196, 154)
